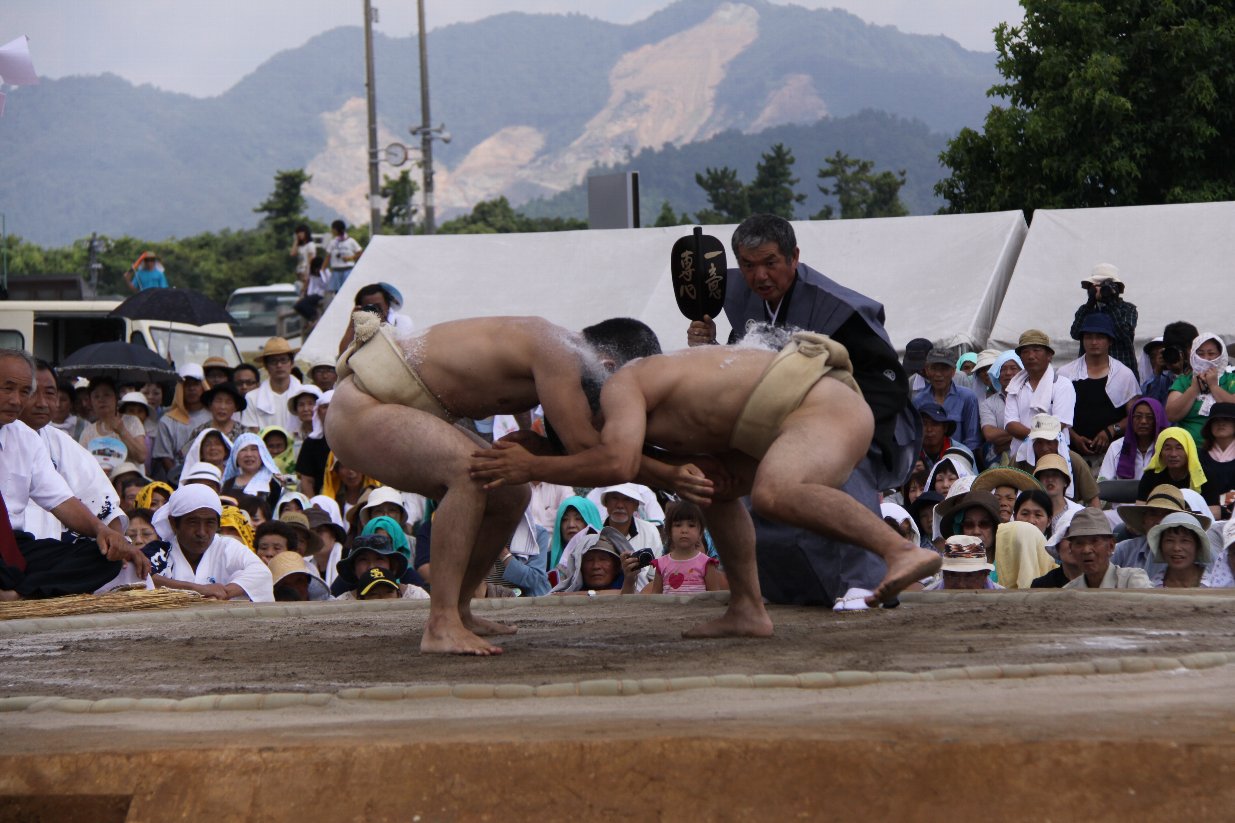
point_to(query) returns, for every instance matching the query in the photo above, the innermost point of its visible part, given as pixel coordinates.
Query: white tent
(941, 277)
(1176, 262)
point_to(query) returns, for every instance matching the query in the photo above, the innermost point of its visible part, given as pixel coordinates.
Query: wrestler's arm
(557, 378)
(615, 459)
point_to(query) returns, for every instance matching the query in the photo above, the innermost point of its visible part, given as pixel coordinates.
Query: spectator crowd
(1114, 468)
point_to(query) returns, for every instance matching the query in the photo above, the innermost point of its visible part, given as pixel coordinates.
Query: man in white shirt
(267, 404)
(73, 462)
(31, 568)
(1092, 544)
(202, 560)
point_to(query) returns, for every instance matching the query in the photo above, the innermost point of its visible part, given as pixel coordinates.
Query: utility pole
(375, 209)
(426, 133)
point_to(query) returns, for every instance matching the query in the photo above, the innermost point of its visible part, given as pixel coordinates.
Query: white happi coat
(85, 478)
(226, 560)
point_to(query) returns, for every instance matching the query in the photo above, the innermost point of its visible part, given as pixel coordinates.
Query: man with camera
(1105, 291)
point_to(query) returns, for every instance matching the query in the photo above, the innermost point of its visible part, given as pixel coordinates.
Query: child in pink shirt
(685, 568)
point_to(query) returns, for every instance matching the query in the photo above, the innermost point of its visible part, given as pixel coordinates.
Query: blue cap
(937, 413)
(1098, 323)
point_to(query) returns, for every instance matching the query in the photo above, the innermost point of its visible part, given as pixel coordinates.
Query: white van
(54, 329)
(263, 312)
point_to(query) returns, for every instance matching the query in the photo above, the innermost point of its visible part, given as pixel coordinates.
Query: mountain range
(532, 103)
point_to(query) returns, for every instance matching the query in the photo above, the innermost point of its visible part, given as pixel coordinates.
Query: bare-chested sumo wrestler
(392, 419)
(787, 427)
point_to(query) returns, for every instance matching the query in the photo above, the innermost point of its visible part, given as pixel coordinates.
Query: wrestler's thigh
(411, 450)
(820, 441)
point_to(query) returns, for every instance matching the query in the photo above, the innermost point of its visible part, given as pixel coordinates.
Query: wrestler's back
(695, 396)
(484, 366)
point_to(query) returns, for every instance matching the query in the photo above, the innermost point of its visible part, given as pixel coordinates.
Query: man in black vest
(771, 286)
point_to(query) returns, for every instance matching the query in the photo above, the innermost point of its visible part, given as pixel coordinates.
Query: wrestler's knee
(508, 500)
(767, 498)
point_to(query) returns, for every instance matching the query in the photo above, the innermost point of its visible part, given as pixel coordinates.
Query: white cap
(1104, 271)
(384, 494)
(1045, 427)
(203, 471)
(134, 397)
(191, 370)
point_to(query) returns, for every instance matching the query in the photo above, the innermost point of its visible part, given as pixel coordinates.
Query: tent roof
(1174, 260)
(578, 278)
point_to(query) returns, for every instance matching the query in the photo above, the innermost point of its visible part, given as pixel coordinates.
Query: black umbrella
(122, 362)
(173, 305)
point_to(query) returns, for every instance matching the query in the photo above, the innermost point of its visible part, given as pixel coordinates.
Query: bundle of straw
(130, 599)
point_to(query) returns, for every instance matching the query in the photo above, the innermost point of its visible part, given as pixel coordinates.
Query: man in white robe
(202, 560)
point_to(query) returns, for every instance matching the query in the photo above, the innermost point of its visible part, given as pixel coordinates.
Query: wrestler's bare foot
(8, 595)
(904, 567)
(449, 637)
(748, 622)
(485, 628)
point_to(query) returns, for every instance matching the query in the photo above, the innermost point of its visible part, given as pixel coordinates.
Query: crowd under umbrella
(122, 362)
(173, 305)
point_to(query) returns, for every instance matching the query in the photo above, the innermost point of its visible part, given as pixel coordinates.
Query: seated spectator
(322, 373)
(1092, 543)
(177, 425)
(1003, 368)
(1221, 573)
(965, 565)
(314, 452)
(946, 472)
(1218, 459)
(210, 446)
(246, 377)
(967, 363)
(225, 403)
(135, 404)
(290, 502)
(900, 519)
(914, 363)
(275, 537)
(573, 516)
(141, 528)
(251, 470)
(1103, 387)
(377, 584)
(279, 443)
(198, 558)
(307, 543)
(937, 431)
(1036, 390)
(960, 403)
(205, 474)
(216, 370)
(345, 485)
(1182, 547)
(293, 582)
(333, 537)
(1128, 455)
(1053, 472)
(154, 495)
(974, 514)
(915, 485)
(1020, 555)
(234, 523)
(685, 568)
(1060, 549)
(622, 503)
(599, 569)
(1175, 462)
(375, 551)
(1140, 519)
(922, 510)
(1205, 382)
(1005, 483)
(1034, 507)
(382, 501)
(302, 403)
(1048, 437)
(128, 481)
(109, 422)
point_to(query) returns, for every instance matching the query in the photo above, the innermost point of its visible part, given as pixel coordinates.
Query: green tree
(772, 190)
(727, 196)
(859, 191)
(1123, 102)
(400, 210)
(285, 206)
(668, 217)
(497, 216)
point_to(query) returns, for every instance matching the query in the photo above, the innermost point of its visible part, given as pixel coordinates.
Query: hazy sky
(202, 47)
